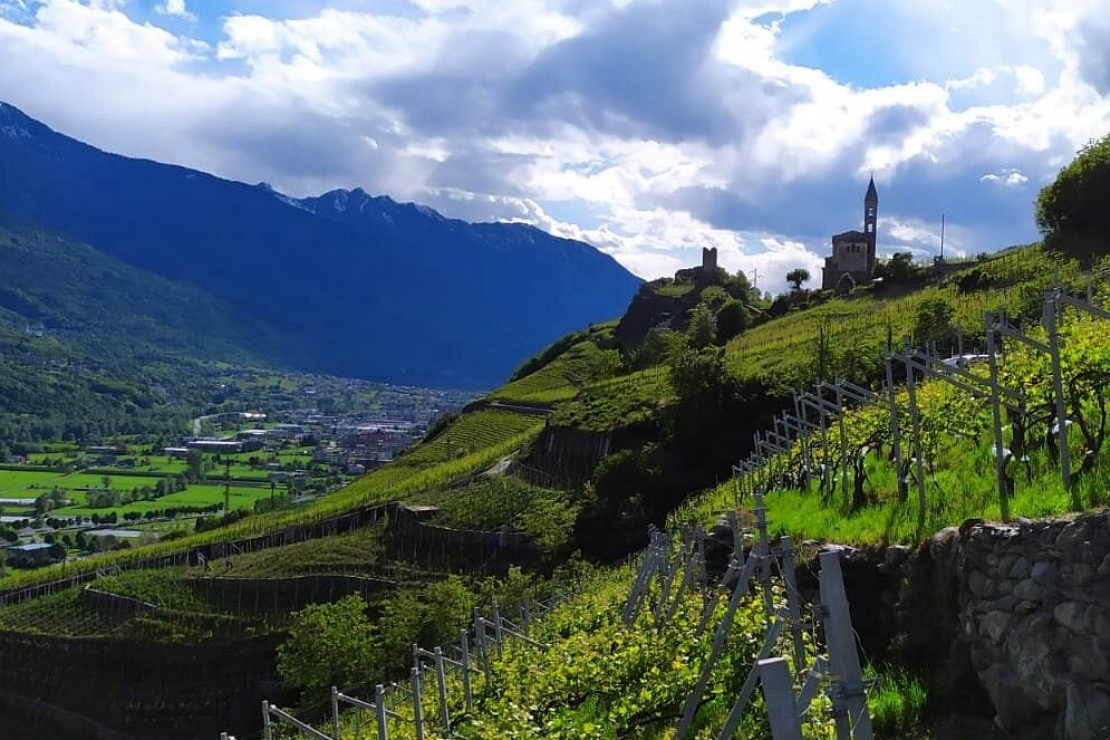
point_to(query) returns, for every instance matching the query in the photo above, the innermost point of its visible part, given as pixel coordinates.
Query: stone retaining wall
(1032, 603)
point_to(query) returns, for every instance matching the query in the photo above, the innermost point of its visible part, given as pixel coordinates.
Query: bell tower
(870, 221)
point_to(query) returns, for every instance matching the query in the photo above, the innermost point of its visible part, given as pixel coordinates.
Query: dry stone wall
(1032, 602)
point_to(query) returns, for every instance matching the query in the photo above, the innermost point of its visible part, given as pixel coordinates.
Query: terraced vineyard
(848, 335)
(473, 443)
(617, 402)
(472, 433)
(60, 615)
(955, 434)
(561, 380)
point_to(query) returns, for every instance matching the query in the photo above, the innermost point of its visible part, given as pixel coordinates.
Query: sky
(649, 128)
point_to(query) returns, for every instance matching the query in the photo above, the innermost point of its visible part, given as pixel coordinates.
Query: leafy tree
(194, 466)
(432, 615)
(708, 417)
(898, 269)
(732, 321)
(1071, 212)
(714, 296)
(659, 346)
(796, 277)
(702, 327)
(740, 288)
(933, 321)
(328, 645)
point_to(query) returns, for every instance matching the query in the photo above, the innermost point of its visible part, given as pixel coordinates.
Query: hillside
(647, 428)
(352, 285)
(81, 296)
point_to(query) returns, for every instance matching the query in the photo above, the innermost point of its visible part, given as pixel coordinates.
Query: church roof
(850, 236)
(872, 194)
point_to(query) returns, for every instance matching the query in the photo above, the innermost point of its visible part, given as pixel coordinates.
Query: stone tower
(870, 220)
(709, 259)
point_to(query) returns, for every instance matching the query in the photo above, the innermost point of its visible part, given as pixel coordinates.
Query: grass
(898, 702)
(857, 328)
(353, 553)
(199, 495)
(561, 379)
(617, 402)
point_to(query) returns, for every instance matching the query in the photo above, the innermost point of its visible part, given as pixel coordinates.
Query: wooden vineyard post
(728, 731)
(468, 689)
(915, 426)
(853, 722)
(778, 695)
(895, 434)
(693, 701)
(794, 603)
(441, 677)
(335, 713)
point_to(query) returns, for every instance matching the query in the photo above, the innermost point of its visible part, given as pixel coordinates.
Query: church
(853, 253)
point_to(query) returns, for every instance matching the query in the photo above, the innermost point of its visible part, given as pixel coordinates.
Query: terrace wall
(443, 548)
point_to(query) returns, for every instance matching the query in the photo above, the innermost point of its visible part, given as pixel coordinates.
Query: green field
(195, 495)
(31, 484)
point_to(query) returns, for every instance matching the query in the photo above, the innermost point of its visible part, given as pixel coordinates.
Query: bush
(328, 645)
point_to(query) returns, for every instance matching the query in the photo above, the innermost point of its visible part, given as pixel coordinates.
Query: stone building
(853, 252)
(706, 270)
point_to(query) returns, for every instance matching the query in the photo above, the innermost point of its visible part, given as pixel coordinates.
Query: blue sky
(650, 128)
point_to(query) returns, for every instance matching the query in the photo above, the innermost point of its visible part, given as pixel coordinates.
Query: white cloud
(1006, 177)
(668, 124)
(175, 8)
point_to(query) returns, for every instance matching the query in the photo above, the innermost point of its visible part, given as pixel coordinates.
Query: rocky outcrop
(650, 309)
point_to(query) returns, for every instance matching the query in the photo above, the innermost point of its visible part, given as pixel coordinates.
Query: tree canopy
(796, 277)
(1072, 212)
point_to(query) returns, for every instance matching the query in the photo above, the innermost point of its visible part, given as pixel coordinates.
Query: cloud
(650, 128)
(1012, 178)
(175, 8)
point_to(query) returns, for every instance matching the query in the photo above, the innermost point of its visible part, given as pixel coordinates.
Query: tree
(702, 327)
(1071, 212)
(898, 269)
(328, 645)
(194, 466)
(659, 346)
(933, 321)
(796, 277)
(732, 321)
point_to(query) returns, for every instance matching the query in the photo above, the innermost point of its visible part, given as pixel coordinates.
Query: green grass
(198, 495)
(353, 553)
(674, 290)
(617, 402)
(561, 379)
(786, 349)
(897, 704)
(26, 484)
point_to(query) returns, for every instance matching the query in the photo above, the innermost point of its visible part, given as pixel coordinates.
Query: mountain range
(345, 283)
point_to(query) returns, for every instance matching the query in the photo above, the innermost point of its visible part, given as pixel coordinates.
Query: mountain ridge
(387, 290)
